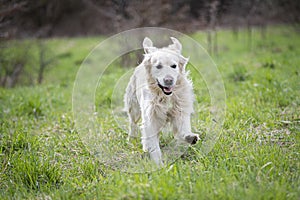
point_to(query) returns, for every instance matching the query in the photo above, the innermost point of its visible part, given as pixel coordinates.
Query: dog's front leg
(182, 129)
(150, 138)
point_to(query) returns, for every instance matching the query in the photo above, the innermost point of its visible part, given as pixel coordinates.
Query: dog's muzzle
(167, 90)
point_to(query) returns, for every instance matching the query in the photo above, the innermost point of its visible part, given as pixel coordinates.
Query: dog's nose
(168, 80)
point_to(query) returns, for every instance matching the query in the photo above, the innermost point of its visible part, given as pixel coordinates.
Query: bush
(23, 62)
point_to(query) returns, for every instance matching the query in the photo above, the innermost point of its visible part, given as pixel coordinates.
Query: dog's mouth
(166, 90)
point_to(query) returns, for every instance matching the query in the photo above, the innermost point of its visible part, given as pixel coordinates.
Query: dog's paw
(192, 139)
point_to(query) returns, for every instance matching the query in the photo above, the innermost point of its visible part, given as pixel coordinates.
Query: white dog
(160, 92)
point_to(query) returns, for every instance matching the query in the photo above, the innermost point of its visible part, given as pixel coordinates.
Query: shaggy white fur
(160, 92)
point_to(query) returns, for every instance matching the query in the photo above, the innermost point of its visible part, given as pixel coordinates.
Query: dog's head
(164, 65)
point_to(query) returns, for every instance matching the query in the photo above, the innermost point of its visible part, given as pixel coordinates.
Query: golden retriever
(159, 92)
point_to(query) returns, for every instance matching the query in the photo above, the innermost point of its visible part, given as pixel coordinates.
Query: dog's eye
(174, 66)
(158, 66)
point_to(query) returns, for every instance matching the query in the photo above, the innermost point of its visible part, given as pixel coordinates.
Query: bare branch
(12, 9)
(102, 10)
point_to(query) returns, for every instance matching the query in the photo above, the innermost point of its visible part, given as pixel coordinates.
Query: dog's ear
(176, 46)
(182, 63)
(148, 45)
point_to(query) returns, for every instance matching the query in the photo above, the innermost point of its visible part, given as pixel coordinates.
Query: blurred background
(46, 41)
(49, 18)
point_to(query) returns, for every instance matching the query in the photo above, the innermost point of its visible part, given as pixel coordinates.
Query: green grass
(256, 156)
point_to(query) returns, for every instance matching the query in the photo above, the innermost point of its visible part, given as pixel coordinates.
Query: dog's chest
(168, 106)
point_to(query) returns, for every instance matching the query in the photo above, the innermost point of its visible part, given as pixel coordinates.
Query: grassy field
(256, 156)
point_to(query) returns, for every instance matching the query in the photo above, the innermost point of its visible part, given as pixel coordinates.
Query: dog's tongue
(167, 89)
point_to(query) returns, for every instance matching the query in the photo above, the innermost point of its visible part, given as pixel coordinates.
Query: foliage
(48, 18)
(24, 62)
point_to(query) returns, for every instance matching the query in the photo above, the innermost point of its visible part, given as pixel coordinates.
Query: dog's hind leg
(132, 108)
(134, 116)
